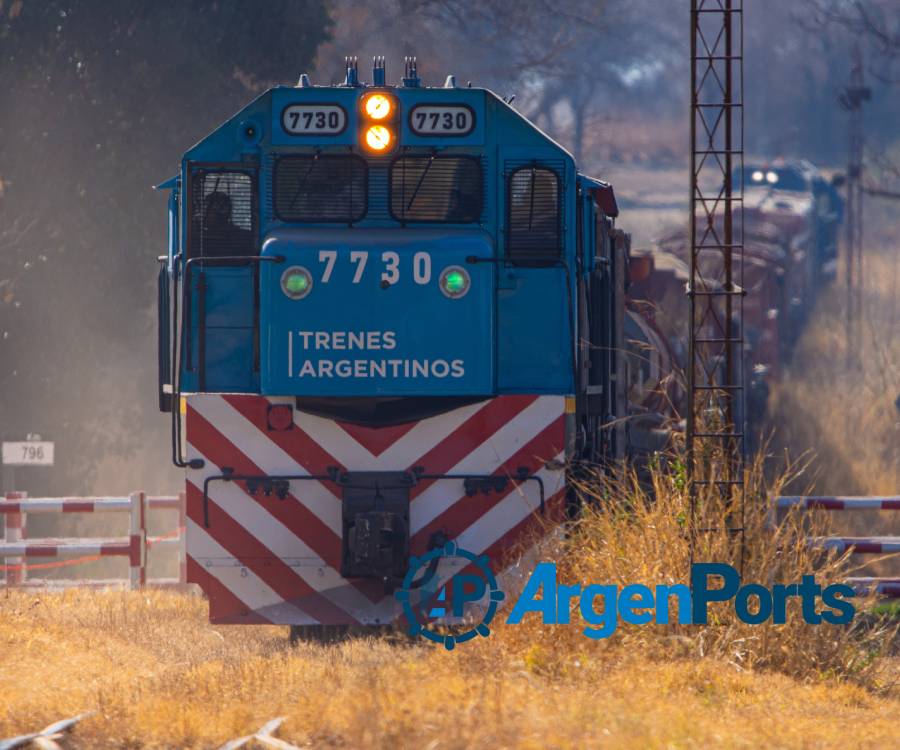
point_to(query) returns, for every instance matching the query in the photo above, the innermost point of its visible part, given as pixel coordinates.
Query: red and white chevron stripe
(263, 559)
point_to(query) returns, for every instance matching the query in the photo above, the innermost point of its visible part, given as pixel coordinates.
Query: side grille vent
(533, 214)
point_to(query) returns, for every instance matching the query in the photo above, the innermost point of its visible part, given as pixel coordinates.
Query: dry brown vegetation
(847, 414)
(846, 417)
(158, 675)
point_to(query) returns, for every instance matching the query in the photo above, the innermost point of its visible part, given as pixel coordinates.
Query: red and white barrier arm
(172, 502)
(862, 545)
(85, 504)
(838, 502)
(66, 505)
(16, 506)
(889, 587)
(56, 547)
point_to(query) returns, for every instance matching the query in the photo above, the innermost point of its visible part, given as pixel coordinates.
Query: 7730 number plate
(313, 119)
(441, 119)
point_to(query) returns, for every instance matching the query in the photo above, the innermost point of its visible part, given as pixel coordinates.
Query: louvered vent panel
(378, 190)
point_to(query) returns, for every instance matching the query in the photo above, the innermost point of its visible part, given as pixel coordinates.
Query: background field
(846, 417)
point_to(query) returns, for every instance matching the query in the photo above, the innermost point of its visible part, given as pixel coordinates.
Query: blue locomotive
(390, 315)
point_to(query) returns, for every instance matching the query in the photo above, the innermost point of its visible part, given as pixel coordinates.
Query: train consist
(393, 317)
(790, 227)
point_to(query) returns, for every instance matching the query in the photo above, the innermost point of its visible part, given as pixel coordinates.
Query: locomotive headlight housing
(379, 122)
(455, 282)
(378, 106)
(296, 282)
(379, 138)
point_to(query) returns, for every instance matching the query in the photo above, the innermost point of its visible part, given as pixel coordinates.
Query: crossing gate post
(137, 556)
(182, 540)
(14, 531)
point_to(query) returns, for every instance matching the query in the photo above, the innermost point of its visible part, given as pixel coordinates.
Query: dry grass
(158, 675)
(623, 537)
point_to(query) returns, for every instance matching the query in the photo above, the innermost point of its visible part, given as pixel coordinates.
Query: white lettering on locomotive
(364, 341)
(442, 119)
(391, 265)
(341, 340)
(382, 368)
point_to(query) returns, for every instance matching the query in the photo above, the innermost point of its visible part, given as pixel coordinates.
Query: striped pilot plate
(269, 560)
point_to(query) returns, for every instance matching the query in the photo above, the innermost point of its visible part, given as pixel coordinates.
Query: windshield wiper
(303, 181)
(421, 180)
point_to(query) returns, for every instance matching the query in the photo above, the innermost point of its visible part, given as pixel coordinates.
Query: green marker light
(296, 282)
(455, 282)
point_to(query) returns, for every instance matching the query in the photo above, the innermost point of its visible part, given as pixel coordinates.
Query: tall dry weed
(631, 533)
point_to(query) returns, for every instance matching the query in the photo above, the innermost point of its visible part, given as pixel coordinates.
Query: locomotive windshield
(437, 189)
(328, 188)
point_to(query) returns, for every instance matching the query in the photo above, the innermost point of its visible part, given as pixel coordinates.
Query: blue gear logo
(464, 587)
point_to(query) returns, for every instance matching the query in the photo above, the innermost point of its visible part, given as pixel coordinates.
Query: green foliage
(890, 609)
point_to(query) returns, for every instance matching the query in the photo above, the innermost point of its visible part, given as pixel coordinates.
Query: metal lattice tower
(715, 419)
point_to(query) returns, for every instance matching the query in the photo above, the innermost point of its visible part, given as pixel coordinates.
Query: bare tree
(567, 62)
(875, 22)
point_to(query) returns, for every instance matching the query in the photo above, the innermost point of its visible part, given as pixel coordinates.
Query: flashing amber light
(378, 107)
(379, 138)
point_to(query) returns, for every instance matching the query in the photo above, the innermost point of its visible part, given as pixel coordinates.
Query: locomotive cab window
(533, 206)
(321, 188)
(224, 219)
(432, 188)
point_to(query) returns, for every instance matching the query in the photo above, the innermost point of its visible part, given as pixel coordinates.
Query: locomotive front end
(374, 342)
